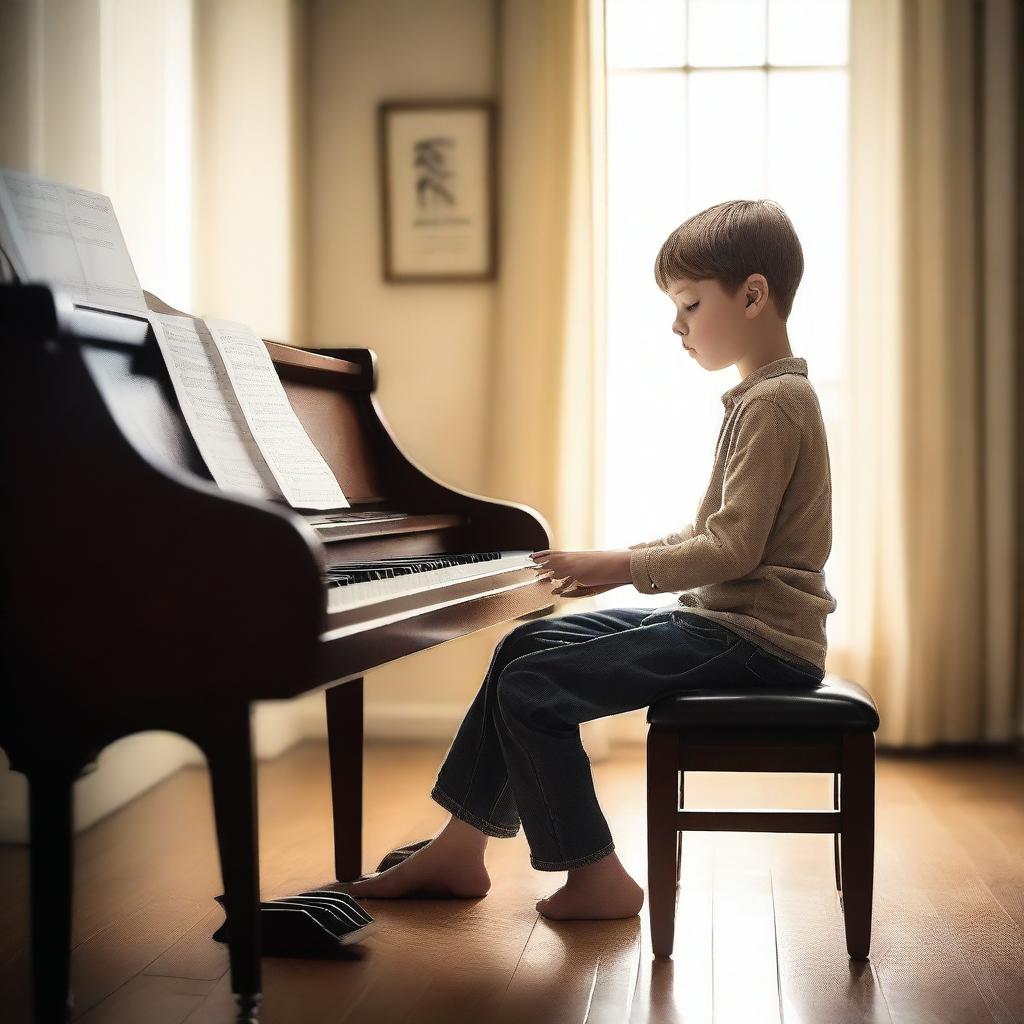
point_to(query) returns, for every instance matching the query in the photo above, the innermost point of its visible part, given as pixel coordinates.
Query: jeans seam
(501, 793)
(574, 643)
(487, 696)
(463, 814)
(536, 774)
(705, 633)
(702, 634)
(577, 862)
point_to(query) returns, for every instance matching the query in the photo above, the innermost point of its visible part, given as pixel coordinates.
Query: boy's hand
(583, 572)
(568, 588)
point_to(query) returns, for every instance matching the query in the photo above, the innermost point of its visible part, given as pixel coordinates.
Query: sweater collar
(777, 367)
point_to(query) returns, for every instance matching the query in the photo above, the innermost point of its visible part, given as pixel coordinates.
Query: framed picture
(438, 194)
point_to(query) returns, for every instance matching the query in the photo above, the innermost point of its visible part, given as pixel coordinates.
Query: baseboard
(135, 764)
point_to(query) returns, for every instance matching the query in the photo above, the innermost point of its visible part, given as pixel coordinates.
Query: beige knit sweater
(753, 557)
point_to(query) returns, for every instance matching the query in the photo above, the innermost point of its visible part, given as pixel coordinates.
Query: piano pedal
(319, 923)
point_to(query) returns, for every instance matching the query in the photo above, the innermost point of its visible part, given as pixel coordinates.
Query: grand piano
(137, 595)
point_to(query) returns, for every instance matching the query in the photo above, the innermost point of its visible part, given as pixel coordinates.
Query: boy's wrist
(623, 572)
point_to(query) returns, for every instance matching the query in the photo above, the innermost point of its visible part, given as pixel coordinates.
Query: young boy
(750, 609)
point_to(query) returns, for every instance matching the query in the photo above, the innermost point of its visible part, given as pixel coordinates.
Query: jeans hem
(550, 865)
(489, 828)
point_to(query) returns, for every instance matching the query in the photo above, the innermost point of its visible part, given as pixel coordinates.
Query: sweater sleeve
(673, 538)
(757, 472)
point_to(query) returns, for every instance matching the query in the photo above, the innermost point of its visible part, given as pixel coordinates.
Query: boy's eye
(691, 308)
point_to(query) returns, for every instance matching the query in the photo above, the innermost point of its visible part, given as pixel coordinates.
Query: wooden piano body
(137, 595)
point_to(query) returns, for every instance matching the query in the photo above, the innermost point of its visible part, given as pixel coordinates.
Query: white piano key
(354, 595)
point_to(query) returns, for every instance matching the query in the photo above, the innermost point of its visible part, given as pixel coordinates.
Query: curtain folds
(933, 370)
(547, 357)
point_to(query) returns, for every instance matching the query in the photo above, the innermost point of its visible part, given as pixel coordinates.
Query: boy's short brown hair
(730, 241)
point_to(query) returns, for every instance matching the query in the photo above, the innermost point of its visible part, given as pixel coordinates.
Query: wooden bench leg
(662, 837)
(679, 835)
(835, 837)
(857, 849)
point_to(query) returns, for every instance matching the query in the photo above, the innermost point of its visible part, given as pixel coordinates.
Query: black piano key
(345, 573)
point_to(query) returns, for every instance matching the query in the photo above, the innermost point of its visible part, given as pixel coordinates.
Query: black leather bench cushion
(834, 703)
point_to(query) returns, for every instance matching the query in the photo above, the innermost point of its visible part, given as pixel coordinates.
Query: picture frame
(438, 190)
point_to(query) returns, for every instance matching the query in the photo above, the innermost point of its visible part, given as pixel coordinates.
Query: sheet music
(9, 243)
(300, 470)
(208, 404)
(67, 236)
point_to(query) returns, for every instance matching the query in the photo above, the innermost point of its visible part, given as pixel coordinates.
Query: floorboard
(759, 932)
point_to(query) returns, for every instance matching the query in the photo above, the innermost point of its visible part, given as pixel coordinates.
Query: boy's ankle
(606, 866)
(459, 833)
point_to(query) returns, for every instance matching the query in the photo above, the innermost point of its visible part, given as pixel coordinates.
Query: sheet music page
(208, 404)
(299, 468)
(8, 242)
(68, 236)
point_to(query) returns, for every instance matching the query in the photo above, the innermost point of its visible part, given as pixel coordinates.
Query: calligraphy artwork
(438, 203)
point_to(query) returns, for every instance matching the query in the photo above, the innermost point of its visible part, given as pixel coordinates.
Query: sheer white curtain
(543, 429)
(707, 102)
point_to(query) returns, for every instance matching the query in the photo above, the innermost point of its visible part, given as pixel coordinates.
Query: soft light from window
(679, 140)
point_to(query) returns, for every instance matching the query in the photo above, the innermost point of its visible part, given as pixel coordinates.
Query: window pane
(646, 33)
(807, 161)
(808, 31)
(647, 370)
(727, 32)
(726, 136)
(721, 134)
(646, 151)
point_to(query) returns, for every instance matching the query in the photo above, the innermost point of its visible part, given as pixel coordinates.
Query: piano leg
(51, 860)
(345, 743)
(233, 781)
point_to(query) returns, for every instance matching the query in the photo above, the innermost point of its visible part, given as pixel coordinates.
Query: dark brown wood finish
(345, 744)
(140, 596)
(850, 756)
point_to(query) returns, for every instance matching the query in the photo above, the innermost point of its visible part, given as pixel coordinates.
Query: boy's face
(713, 327)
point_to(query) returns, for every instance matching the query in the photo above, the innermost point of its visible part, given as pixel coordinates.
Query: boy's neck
(776, 346)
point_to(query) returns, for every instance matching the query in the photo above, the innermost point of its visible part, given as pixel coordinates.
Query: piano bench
(826, 728)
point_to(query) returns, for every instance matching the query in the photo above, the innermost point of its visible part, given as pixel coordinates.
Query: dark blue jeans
(518, 750)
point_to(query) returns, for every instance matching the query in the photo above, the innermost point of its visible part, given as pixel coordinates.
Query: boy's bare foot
(603, 890)
(450, 865)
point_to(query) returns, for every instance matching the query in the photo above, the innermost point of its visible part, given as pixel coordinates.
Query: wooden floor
(759, 934)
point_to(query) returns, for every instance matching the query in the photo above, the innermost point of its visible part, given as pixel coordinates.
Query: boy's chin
(709, 361)
(719, 360)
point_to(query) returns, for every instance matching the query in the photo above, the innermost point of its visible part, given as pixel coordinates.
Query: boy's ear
(752, 293)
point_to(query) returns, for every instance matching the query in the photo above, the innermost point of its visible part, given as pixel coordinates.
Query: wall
(432, 340)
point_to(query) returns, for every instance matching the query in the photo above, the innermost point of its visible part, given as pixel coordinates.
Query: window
(711, 100)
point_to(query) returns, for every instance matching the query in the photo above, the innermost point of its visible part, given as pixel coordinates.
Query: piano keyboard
(352, 584)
